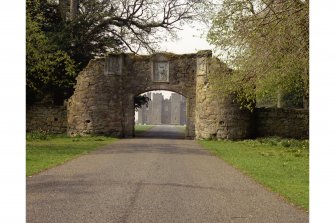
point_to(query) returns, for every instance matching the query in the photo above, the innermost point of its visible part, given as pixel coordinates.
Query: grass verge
(140, 129)
(181, 128)
(45, 151)
(282, 165)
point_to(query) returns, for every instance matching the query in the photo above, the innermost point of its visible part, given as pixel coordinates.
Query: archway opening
(163, 116)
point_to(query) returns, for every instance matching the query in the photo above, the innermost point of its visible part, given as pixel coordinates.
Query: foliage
(49, 70)
(140, 129)
(141, 100)
(266, 42)
(83, 37)
(37, 135)
(61, 43)
(138, 23)
(43, 154)
(279, 164)
(181, 128)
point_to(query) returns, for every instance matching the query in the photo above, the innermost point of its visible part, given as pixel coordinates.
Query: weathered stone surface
(284, 122)
(46, 118)
(217, 117)
(110, 104)
(103, 101)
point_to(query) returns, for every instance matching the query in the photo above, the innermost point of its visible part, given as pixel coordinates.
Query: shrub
(37, 135)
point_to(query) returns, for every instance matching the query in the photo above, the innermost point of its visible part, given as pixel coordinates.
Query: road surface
(159, 177)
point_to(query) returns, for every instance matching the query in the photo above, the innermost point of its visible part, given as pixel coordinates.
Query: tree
(92, 28)
(100, 26)
(267, 44)
(141, 100)
(50, 71)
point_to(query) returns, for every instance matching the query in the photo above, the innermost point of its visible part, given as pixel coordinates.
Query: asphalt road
(156, 178)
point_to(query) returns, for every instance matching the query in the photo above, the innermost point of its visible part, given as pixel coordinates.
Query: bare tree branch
(142, 18)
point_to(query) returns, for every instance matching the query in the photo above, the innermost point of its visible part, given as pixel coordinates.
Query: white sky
(166, 94)
(190, 40)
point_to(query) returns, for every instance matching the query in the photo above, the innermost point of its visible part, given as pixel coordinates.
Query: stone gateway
(103, 100)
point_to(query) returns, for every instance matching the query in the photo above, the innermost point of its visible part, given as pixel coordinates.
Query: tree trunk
(63, 8)
(74, 6)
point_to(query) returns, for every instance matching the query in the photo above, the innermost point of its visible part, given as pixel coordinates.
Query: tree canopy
(141, 100)
(70, 33)
(266, 42)
(50, 71)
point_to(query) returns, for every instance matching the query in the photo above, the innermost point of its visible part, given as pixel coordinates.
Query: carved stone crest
(161, 71)
(113, 65)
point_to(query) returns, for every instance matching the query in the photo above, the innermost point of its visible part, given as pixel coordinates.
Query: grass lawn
(45, 151)
(181, 128)
(282, 165)
(140, 129)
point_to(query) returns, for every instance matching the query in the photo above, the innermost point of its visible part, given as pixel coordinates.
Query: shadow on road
(161, 139)
(163, 132)
(154, 147)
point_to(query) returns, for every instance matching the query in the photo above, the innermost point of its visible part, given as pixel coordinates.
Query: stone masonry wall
(283, 122)
(157, 100)
(96, 105)
(217, 117)
(138, 78)
(169, 111)
(175, 109)
(103, 101)
(48, 118)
